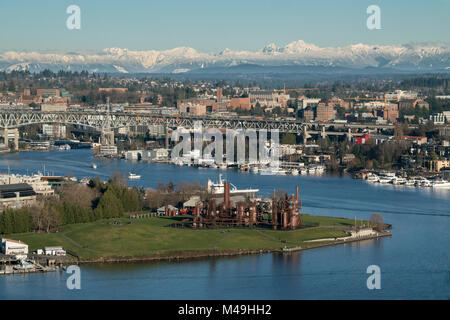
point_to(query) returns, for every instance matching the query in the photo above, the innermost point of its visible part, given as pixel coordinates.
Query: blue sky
(211, 25)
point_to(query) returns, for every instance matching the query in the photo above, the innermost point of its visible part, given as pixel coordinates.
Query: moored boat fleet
(280, 168)
(418, 181)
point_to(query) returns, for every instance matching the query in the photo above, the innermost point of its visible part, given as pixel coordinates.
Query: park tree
(377, 222)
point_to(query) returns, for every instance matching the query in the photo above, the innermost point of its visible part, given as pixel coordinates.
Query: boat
(223, 166)
(133, 176)
(425, 183)
(219, 188)
(443, 184)
(294, 172)
(273, 171)
(398, 181)
(254, 169)
(372, 178)
(94, 166)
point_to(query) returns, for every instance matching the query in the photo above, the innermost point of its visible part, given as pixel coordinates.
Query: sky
(211, 25)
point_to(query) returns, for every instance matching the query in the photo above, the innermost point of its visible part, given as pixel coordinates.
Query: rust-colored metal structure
(284, 213)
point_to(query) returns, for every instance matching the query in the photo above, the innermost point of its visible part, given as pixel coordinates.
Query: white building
(401, 95)
(41, 187)
(438, 118)
(158, 154)
(54, 130)
(304, 103)
(133, 155)
(108, 150)
(14, 247)
(54, 251)
(362, 233)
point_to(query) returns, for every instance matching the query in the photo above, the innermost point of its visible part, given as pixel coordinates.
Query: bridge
(105, 121)
(19, 118)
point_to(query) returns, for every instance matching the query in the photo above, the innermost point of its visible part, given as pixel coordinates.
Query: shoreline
(184, 256)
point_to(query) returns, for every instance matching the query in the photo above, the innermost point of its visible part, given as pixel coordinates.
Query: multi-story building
(267, 98)
(39, 185)
(437, 165)
(54, 131)
(193, 109)
(16, 196)
(438, 118)
(45, 93)
(240, 103)
(304, 103)
(308, 114)
(444, 131)
(13, 247)
(325, 112)
(390, 112)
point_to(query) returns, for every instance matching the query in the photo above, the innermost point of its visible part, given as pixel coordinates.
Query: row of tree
(74, 204)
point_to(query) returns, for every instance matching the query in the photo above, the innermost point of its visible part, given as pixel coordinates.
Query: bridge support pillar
(305, 134)
(166, 136)
(6, 133)
(323, 134)
(107, 138)
(349, 134)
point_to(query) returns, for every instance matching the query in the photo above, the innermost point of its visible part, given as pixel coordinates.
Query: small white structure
(362, 233)
(158, 154)
(14, 247)
(54, 251)
(133, 155)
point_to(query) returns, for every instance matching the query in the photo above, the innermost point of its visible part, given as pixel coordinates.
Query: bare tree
(377, 222)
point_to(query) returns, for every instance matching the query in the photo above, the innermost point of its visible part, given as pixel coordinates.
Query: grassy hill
(154, 237)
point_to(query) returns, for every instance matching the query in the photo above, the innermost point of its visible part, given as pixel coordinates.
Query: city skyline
(212, 27)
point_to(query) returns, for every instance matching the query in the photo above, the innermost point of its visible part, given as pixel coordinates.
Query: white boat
(219, 188)
(294, 172)
(398, 181)
(254, 169)
(372, 178)
(425, 183)
(319, 169)
(273, 171)
(384, 180)
(94, 166)
(304, 171)
(133, 176)
(223, 166)
(443, 184)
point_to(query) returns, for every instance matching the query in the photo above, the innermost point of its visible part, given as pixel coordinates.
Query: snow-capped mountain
(419, 57)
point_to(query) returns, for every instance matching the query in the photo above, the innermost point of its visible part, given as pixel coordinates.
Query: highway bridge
(11, 119)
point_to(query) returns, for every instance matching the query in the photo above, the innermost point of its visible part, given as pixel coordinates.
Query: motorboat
(133, 176)
(273, 171)
(443, 184)
(254, 169)
(219, 188)
(372, 178)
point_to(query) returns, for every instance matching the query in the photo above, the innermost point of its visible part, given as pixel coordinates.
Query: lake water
(414, 262)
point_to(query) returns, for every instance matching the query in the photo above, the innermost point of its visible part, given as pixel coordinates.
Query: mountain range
(298, 55)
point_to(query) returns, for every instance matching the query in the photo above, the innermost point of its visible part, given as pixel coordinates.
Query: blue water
(414, 262)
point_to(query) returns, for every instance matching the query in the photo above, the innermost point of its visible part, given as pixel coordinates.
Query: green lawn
(152, 236)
